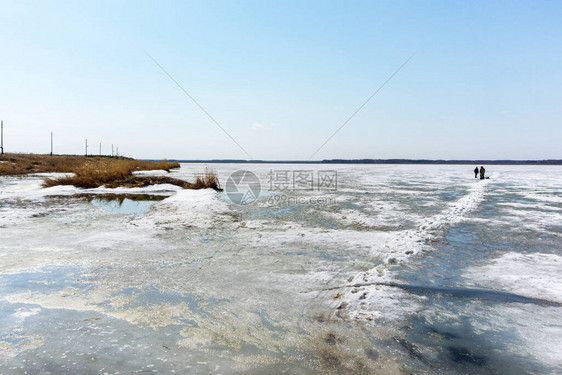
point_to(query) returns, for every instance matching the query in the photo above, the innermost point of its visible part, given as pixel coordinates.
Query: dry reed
(208, 180)
(96, 171)
(94, 174)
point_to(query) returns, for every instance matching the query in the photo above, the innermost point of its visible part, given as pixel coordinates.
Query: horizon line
(378, 161)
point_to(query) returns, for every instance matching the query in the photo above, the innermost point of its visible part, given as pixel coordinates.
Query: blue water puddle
(14, 339)
(51, 280)
(45, 280)
(154, 296)
(125, 206)
(83, 342)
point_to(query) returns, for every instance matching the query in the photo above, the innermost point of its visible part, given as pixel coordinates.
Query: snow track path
(374, 301)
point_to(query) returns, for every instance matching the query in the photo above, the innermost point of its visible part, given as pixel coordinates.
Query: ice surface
(270, 284)
(532, 275)
(376, 302)
(156, 172)
(540, 341)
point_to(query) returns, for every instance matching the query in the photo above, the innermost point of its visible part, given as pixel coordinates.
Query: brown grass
(94, 174)
(95, 171)
(20, 164)
(208, 180)
(141, 165)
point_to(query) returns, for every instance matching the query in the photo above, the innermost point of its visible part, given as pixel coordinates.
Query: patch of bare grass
(20, 164)
(207, 180)
(114, 173)
(94, 174)
(96, 171)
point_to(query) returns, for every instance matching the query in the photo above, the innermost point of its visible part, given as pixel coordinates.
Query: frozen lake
(333, 269)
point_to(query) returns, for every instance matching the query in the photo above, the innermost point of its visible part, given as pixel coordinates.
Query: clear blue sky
(282, 76)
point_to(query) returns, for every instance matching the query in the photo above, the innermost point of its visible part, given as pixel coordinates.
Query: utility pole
(2, 137)
(117, 152)
(100, 148)
(86, 154)
(112, 150)
(51, 143)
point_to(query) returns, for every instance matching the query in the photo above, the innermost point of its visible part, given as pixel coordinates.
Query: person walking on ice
(476, 172)
(482, 171)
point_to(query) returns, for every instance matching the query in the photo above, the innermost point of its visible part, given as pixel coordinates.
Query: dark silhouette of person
(482, 171)
(476, 172)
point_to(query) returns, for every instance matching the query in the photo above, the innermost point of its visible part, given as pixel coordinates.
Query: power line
(1, 137)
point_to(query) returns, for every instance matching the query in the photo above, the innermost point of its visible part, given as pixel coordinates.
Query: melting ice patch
(186, 208)
(155, 172)
(22, 313)
(534, 275)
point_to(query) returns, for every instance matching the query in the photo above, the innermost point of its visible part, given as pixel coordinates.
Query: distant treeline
(382, 161)
(427, 161)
